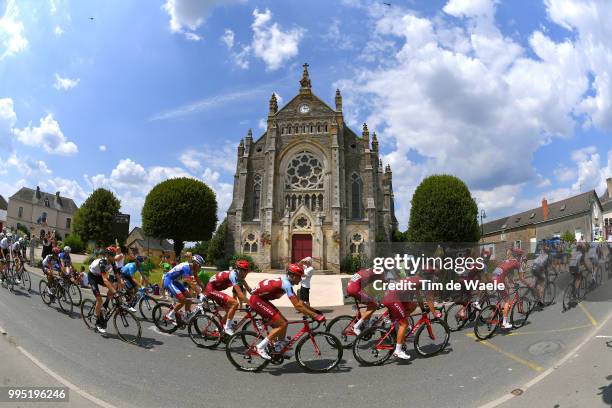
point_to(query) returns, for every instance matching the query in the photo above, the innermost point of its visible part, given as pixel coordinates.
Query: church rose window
(302, 223)
(250, 243)
(357, 246)
(305, 172)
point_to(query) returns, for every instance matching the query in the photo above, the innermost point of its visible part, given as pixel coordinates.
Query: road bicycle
(575, 293)
(7, 275)
(376, 345)
(491, 317)
(56, 290)
(181, 321)
(462, 311)
(125, 322)
(342, 326)
(315, 351)
(145, 302)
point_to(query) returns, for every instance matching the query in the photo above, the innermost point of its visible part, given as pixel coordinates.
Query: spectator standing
(305, 283)
(46, 245)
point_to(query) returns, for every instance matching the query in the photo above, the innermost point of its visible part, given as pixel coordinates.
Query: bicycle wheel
(569, 296)
(599, 276)
(127, 325)
(550, 291)
(241, 351)
(487, 321)
(75, 294)
(43, 289)
(259, 322)
(434, 340)
(318, 352)
(160, 312)
(456, 316)
(342, 328)
(9, 279)
(88, 313)
(145, 306)
(205, 331)
(373, 346)
(64, 300)
(520, 312)
(26, 280)
(583, 288)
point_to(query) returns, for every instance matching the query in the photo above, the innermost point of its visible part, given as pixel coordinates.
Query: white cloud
(336, 38)
(223, 191)
(65, 83)
(262, 124)
(128, 173)
(66, 187)
(193, 37)
(498, 198)
(102, 148)
(270, 43)
(8, 118)
(12, 39)
(451, 90)
(215, 158)
(228, 38)
(58, 31)
(47, 135)
(52, 7)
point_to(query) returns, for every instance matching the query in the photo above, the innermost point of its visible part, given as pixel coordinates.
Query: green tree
(94, 220)
(443, 210)
(568, 237)
(180, 209)
(75, 243)
(216, 247)
(200, 247)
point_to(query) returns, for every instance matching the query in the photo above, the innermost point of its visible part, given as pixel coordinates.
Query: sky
(512, 96)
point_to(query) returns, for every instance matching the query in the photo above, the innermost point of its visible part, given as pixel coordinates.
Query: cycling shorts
(175, 288)
(217, 296)
(399, 310)
(499, 280)
(263, 308)
(354, 289)
(130, 283)
(95, 281)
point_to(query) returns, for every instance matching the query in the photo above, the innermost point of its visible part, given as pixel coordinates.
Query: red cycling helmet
(56, 250)
(295, 269)
(111, 249)
(242, 264)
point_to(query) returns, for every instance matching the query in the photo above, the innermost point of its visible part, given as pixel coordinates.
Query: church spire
(366, 134)
(338, 101)
(374, 142)
(305, 81)
(273, 104)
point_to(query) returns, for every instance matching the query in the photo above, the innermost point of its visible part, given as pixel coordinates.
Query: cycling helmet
(295, 269)
(67, 249)
(242, 264)
(139, 259)
(103, 264)
(198, 259)
(109, 251)
(56, 250)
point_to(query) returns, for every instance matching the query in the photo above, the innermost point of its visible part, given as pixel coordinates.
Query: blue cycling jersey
(130, 269)
(180, 271)
(66, 258)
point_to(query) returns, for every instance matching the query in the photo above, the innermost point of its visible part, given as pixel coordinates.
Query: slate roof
(149, 242)
(28, 195)
(3, 203)
(577, 204)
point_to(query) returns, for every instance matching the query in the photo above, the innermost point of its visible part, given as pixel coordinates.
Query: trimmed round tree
(180, 209)
(94, 220)
(443, 210)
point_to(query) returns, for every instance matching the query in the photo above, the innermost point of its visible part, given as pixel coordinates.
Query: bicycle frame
(424, 319)
(306, 329)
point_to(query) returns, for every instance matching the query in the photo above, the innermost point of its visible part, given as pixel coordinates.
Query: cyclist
(593, 255)
(177, 289)
(539, 269)
(98, 276)
(127, 274)
(66, 264)
(270, 289)
(400, 304)
(503, 274)
(224, 280)
(15, 250)
(578, 260)
(355, 288)
(50, 263)
(5, 243)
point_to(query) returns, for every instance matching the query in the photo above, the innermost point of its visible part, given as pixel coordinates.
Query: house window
(20, 212)
(355, 196)
(68, 223)
(256, 195)
(47, 202)
(517, 244)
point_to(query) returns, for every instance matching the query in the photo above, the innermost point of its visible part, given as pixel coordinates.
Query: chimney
(545, 208)
(38, 192)
(58, 198)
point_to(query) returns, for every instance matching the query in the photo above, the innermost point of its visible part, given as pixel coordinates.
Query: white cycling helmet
(67, 249)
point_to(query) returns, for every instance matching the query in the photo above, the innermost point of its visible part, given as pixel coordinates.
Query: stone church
(309, 186)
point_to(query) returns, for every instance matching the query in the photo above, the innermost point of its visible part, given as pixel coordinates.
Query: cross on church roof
(305, 81)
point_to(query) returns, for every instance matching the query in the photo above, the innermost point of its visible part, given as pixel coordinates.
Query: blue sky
(514, 97)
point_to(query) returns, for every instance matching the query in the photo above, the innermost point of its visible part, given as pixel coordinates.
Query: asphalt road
(168, 370)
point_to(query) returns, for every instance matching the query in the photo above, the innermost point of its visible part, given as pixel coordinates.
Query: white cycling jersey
(4, 244)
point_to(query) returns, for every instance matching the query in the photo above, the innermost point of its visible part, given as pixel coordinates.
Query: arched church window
(355, 196)
(318, 128)
(326, 127)
(250, 243)
(256, 195)
(304, 172)
(357, 245)
(311, 129)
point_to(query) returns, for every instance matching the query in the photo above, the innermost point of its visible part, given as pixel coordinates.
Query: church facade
(309, 186)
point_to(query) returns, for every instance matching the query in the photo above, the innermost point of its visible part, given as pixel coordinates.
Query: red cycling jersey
(270, 289)
(505, 268)
(365, 276)
(223, 280)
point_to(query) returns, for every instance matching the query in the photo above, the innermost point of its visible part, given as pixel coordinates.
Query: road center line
(566, 329)
(535, 367)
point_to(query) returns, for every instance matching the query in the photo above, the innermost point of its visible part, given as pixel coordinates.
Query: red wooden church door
(301, 246)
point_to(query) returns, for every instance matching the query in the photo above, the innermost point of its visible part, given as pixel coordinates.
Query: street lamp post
(483, 215)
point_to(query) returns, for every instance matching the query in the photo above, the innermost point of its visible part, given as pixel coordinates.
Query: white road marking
(546, 373)
(599, 337)
(65, 382)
